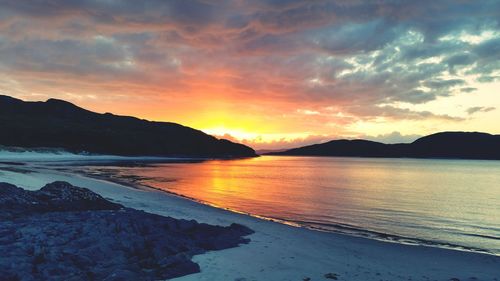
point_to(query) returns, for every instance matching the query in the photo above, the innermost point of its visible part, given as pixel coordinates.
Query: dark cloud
(488, 79)
(426, 50)
(440, 84)
(488, 49)
(459, 60)
(416, 96)
(477, 109)
(468, 89)
(395, 113)
(355, 37)
(488, 57)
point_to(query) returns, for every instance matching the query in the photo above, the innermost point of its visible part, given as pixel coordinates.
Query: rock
(71, 233)
(330, 275)
(56, 196)
(9, 276)
(11, 195)
(122, 275)
(62, 196)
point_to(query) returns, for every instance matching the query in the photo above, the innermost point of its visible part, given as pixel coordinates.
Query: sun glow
(254, 137)
(236, 133)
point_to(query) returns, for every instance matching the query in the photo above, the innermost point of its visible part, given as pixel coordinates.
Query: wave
(386, 237)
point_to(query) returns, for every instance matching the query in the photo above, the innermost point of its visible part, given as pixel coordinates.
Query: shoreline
(283, 252)
(362, 233)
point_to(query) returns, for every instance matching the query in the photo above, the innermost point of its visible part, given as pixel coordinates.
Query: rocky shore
(63, 232)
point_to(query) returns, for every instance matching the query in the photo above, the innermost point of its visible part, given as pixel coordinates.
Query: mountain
(459, 145)
(60, 124)
(269, 151)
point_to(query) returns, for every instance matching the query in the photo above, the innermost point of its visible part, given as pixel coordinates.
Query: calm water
(445, 202)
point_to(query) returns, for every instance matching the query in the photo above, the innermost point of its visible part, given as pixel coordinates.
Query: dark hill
(460, 145)
(60, 124)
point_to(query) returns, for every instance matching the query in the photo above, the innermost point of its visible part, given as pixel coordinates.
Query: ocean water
(446, 203)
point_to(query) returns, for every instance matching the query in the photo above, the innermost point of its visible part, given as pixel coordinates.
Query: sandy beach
(278, 251)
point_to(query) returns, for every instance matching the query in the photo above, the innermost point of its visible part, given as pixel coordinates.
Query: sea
(435, 202)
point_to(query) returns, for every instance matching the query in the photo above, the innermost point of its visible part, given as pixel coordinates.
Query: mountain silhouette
(60, 124)
(459, 145)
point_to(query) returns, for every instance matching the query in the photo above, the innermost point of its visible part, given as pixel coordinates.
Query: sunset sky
(271, 74)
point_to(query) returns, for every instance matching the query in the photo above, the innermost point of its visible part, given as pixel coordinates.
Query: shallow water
(450, 203)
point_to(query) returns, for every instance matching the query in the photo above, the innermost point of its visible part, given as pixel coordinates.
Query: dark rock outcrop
(56, 196)
(457, 145)
(60, 124)
(62, 232)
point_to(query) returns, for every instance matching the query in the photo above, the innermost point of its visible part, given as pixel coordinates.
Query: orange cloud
(276, 75)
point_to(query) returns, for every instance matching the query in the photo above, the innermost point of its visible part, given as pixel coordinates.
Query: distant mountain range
(269, 151)
(60, 124)
(458, 145)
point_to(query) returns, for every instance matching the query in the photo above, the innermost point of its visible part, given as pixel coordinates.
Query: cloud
(281, 143)
(440, 84)
(396, 113)
(394, 137)
(283, 59)
(355, 37)
(468, 89)
(477, 109)
(488, 49)
(308, 112)
(459, 59)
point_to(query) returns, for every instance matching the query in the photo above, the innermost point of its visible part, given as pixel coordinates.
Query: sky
(269, 73)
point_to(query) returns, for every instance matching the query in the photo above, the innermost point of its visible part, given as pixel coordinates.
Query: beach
(278, 251)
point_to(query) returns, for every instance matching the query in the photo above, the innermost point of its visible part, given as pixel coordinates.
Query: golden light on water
(392, 196)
